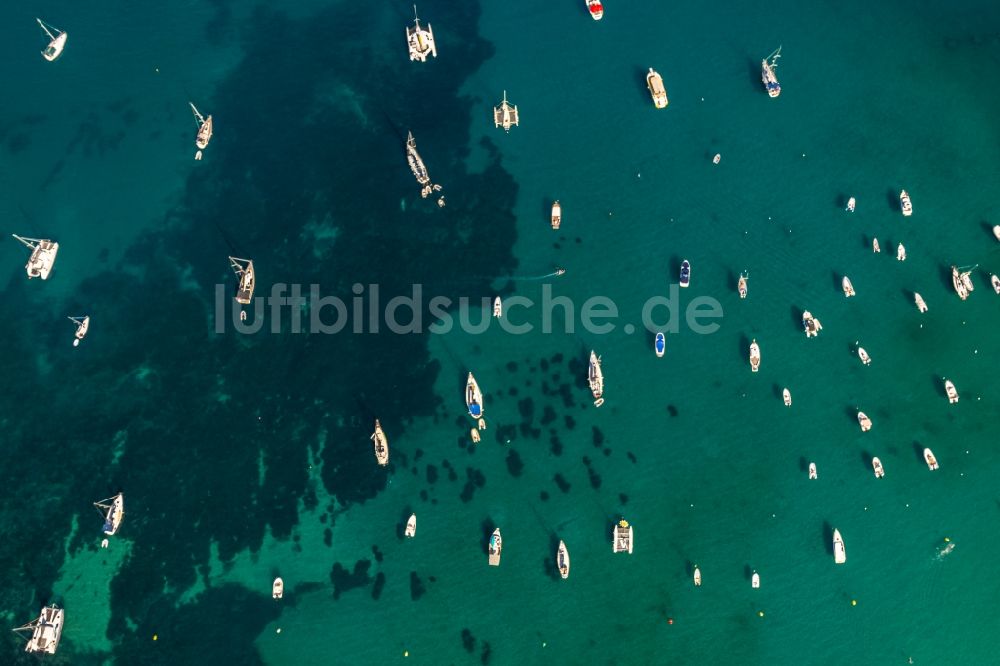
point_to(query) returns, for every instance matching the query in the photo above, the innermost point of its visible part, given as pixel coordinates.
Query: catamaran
(277, 588)
(850, 205)
(660, 345)
(685, 273)
(877, 467)
(562, 560)
(655, 84)
(848, 287)
(247, 279)
(754, 356)
(505, 115)
(932, 463)
(863, 355)
(411, 526)
(556, 214)
(839, 552)
(813, 474)
(900, 253)
(45, 631)
(864, 422)
(57, 41)
(82, 326)
(621, 537)
(113, 510)
(904, 204)
(419, 41)
(786, 396)
(473, 397)
(951, 391)
(595, 377)
(204, 134)
(767, 73)
(741, 286)
(43, 256)
(919, 300)
(496, 545)
(497, 307)
(596, 9)
(381, 445)
(811, 325)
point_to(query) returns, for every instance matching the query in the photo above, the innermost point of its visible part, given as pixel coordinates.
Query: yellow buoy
(406, 653)
(854, 602)
(155, 637)
(761, 613)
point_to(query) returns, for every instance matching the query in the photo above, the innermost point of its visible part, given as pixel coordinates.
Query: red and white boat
(596, 9)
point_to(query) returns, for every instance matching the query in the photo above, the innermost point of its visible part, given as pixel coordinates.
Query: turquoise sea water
(246, 457)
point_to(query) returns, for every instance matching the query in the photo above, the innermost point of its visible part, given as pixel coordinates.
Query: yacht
(919, 300)
(660, 345)
(755, 581)
(113, 510)
(754, 356)
(863, 355)
(717, 158)
(57, 41)
(995, 281)
(839, 553)
(904, 204)
(685, 273)
(505, 115)
(932, 463)
(556, 214)
(967, 281)
(595, 377)
(419, 41)
(381, 445)
(848, 287)
(959, 284)
(417, 165)
(496, 545)
(621, 537)
(767, 73)
(655, 84)
(877, 466)
(45, 631)
(473, 397)
(562, 560)
(247, 279)
(741, 286)
(497, 307)
(813, 474)
(411, 526)
(596, 9)
(277, 588)
(850, 205)
(82, 326)
(786, 395)
(864, 421)
(697, 576)
(949, 389)
(204, 134)
(875, 247)
(43, 256)
(996, 231)
(811, 325)
(900, 253)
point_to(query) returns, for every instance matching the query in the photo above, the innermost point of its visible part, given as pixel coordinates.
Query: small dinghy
(951, 391)
(754, 356)
(562, 560)
(660, 345)
(919, 300)
(411, 526)
(717, 158)
(813, 475)
(82, 326)
(741, 286)
(697, 576)
(848, 287)
(113, 510)
(755, 580)
(277, 588)
(496, 546)
(877, 466)
(57, 41)
(839, 552)
(556, 214)
(932, 463)
(864, 421)
(850, 205)
(995, 281)
(900, 253)
(204, 134)
(863, 355)
(497, 307)
(786, 395)
(473, 397)
(875, 246)
(381, 445)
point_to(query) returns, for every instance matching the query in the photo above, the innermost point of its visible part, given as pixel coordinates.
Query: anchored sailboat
(595, 377)
(82, 326)
(43, 256)
(57, 41)
(248, 280)
(381, 445)
(419, 41)
(204, 131)
(45, 631)
(767, 73)
(505, 115)
(113, 510)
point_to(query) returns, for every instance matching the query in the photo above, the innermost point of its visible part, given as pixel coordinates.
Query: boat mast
(416, 19)
(29, 242)
(200, 118)
(773, 58)
(46, 28)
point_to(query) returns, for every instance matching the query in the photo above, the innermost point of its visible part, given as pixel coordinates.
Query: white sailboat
(595, 377)
(204, 134)
(113, 510)
(741, 286)
(496, 547)
(420, 41)
(43, 256)
(768, 68)
(248, 280)
(839, 552)
(45, 631)
(562, 560)
(57, 41)
(505, 115)
(381, 445)
(875, 246)
(959, 283)
(411, 526)
(82, 326)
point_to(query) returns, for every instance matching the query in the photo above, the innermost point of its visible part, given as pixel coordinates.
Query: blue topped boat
(685, 273)
(660, 345)
(473, 398)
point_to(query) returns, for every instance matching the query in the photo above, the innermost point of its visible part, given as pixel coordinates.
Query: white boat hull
(277, 588)
(839, 552)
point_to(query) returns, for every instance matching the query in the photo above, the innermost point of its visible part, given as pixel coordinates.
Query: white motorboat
(904, 204)
(660, 345)
(951, 391)
(411, 526)
(43, 256)
(204, 134)
(685, 273)
(919, 300)
(112, 510)
(247, 279)
(839, 552)
(420, 41)
(496, 546)
(556, 214)
(754, 356)
(717, 158)
(900, 253)
(505, 115)
(967, 280)
(45, 631)
(875, 246)
(768, 75)
(497, 307)
(786, 395)
(811, 325)
(741, 286)
(755, 580)
(877, 466)
(959, 283)
(813, 474)
(863, 355)
(381, 445)
(595, 377)
(621, 537)
(277, 588)
(82, 326)
(596, 9)
(864, 421)
(847, 286)
(473, 397)
(562, 560)
(932, 463)
(850, 205)
(655, 84)
(995, 281)
(57, 41)
(996, 231)
(697, 576)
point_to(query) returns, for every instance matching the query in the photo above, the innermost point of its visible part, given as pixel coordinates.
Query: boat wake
(944, 550)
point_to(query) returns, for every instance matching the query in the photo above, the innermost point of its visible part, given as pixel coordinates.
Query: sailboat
(381, 445)
(82, 326)
(754, 356)
(113, 510)
(959, 284)
(595, 377)
(57, 41)
(848, 287)
(900, 253)
(562, 560)
(411, 526)
(905, 204)
(556, 214)
(473, 397)
(419, 41)
(839, 552)
(244, 271)
(43, 256)
(875, 247)
(204, 134)
(505, 115)
(741, 286)
(767, 73)
(496, 546)
(45, 631)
